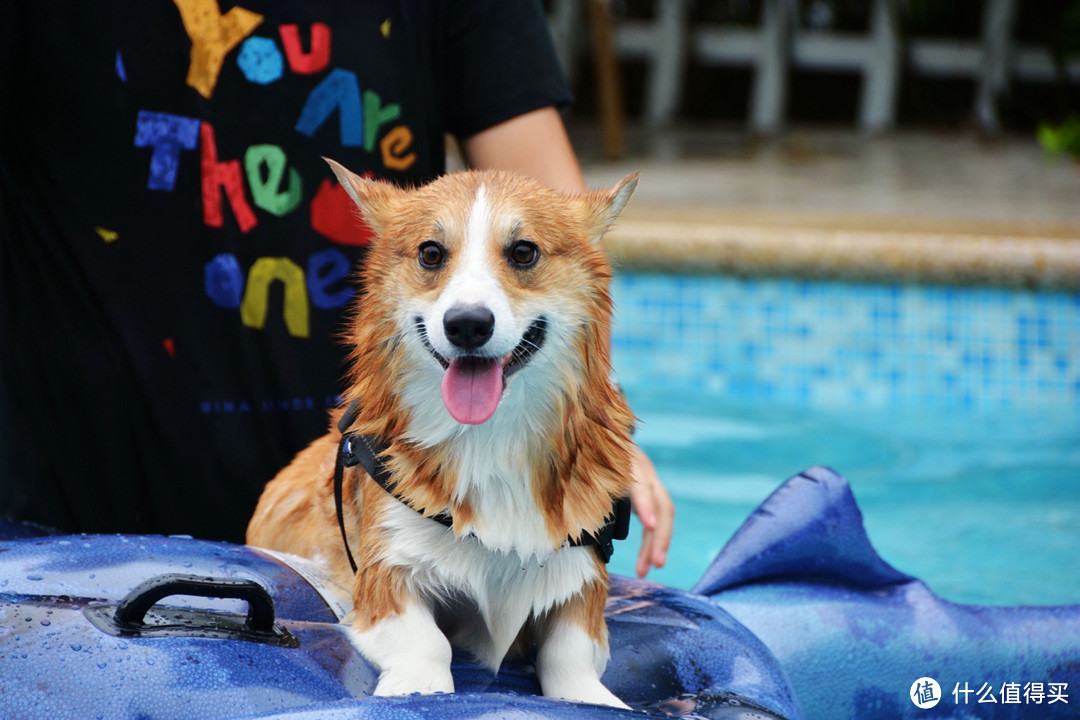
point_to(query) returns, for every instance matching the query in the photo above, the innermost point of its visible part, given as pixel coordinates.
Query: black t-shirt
(175, 257)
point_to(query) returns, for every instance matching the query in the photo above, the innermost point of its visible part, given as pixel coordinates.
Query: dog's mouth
(473, 384)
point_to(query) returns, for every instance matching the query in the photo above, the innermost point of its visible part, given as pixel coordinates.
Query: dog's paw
(587, 691)
(407, 682)
(601, 696)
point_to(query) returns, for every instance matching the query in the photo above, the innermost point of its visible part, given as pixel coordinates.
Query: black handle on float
(133, 608)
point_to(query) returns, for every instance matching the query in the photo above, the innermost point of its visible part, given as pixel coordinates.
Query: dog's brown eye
(431, 254)
(524, 254)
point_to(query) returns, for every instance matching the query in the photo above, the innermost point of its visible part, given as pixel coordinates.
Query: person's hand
(655, 511)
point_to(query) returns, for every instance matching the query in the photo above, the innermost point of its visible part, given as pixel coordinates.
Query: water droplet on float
(103, 665)
(34, 578)
(76, 647)
(46, 623)
(149, 661)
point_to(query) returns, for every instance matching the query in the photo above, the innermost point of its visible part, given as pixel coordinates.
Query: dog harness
(366, 450)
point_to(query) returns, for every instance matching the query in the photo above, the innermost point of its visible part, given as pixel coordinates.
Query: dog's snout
(468, 327)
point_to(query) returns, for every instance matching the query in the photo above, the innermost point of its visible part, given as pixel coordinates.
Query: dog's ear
(605, 206)
(375, 198)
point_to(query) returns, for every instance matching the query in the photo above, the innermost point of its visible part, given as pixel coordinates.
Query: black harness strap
(365, 450)
(617, 527)
(345, 458)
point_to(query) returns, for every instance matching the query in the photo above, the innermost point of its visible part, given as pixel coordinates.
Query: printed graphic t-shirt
(175, 256)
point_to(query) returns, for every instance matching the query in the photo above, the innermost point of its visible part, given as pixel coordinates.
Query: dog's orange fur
(580, 459)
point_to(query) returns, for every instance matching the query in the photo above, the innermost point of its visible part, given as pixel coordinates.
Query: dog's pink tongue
(471, 389)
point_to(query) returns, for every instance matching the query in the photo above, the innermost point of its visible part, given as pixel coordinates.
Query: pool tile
(840, 343)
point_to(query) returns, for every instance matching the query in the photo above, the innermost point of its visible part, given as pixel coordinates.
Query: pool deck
(902, 207)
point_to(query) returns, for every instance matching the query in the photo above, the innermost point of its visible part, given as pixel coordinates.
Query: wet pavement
(843, 177)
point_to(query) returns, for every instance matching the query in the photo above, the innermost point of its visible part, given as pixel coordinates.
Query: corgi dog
(497, 448)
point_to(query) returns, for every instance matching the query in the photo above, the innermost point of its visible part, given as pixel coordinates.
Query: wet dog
(494, 450)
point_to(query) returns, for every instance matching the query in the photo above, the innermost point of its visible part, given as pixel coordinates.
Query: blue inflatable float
(797, 618)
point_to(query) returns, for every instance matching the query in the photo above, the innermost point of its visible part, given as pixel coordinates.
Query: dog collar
(366, 451)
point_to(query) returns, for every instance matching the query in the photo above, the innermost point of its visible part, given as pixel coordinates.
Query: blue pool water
(953, 411)
(984, 506)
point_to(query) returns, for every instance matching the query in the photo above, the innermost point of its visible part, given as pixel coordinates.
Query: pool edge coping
(839, 246)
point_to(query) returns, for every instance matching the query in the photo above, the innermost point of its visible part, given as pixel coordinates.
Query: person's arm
(533, 144)
(536, 144)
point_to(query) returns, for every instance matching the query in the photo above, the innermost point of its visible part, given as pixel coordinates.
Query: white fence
(668, 41)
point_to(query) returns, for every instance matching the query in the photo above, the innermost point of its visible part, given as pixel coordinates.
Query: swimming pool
(954, 412)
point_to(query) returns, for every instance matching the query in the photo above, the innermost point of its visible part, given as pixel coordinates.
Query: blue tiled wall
(837, 344)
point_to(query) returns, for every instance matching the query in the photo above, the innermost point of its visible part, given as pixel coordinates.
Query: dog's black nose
(468, 327)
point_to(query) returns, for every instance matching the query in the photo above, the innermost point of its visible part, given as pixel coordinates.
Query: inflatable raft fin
(809, 528)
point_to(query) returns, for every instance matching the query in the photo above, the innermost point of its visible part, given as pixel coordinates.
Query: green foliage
(1061, 139)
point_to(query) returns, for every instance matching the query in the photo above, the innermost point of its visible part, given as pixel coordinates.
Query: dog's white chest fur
(496, 573)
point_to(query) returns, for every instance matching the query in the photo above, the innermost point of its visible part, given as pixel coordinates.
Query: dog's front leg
(407, 647)
(572, 649)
